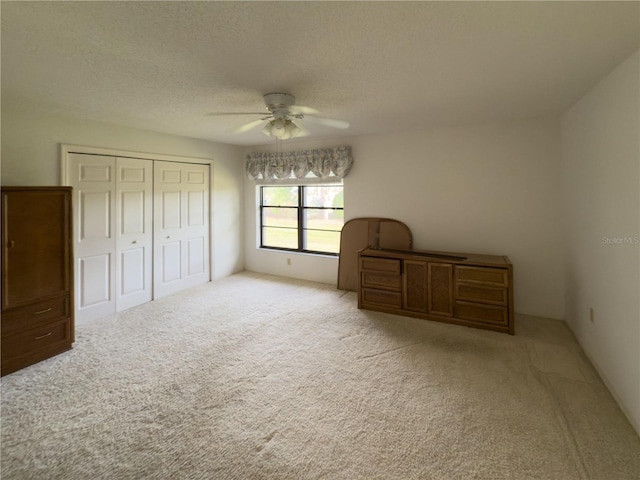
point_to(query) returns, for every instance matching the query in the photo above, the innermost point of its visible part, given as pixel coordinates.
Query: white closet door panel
(171, 210)
(181, 193)
(93, 178)
(95, 216)
(195, 256)
(167, 211)
(132, 212)
(135, 232)
(170, 173)
(132, 173)
(89, 171)
(197, 177)
(132, 278)
(95, 280)
(196, 209)
(171, 262)
(196, 230)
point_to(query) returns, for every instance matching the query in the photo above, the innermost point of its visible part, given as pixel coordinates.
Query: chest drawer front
(382, 298)
(386, 265)
(482, 313)
(481, 293)
(30, 342)
(34, 315)
(381, 280)
(482, 275)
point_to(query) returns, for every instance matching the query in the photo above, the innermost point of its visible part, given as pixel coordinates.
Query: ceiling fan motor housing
(279, 103)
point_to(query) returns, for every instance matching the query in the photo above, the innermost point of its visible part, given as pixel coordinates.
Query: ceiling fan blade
(249, 126)
(301, 109)
(220, 114)
(327, 122)
(303, 131)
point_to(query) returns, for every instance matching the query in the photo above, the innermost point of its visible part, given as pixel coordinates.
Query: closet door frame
(66, 149)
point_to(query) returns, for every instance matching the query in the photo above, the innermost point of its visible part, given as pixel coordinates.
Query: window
(302, 218)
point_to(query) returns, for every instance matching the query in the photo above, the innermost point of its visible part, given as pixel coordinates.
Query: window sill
(293, 252)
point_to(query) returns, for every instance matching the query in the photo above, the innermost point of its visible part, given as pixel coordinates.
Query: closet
(142, 230)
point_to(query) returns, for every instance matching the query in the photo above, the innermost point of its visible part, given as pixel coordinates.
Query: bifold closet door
(134, 235)
(113, 233)
(93, 178)
(181, 226)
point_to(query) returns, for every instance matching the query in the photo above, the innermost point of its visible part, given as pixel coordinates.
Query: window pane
(324, 196)
(322, 241)
(324, 219)
(280, 217)
(280, 237)
(280, 196)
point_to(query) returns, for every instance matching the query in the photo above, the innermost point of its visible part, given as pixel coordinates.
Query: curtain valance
(318, 163)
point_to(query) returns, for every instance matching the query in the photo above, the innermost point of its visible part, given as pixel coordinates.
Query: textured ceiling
(382, 66)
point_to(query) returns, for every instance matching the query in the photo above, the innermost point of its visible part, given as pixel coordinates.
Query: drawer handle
(43, 336)
(43, 311)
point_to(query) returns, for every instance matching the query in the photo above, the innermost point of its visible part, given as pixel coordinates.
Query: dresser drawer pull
(43, 311)
(43, 336)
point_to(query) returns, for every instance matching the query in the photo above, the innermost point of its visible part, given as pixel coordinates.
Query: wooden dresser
(37, 275)
(465, 289)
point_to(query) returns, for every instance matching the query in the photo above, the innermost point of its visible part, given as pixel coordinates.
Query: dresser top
(47, 188)
(435, 256)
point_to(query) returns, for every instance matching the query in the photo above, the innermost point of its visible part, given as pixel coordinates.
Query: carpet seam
(568, 434)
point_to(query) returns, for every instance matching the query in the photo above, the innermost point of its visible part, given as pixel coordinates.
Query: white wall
(31, 156)
(601, 190)
(491, 189)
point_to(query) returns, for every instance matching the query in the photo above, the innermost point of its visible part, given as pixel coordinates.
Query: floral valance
(318, 163)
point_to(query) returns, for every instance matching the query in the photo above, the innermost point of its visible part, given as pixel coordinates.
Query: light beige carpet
(261, 377)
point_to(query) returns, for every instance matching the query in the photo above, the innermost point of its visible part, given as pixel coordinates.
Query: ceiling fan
(283, 120)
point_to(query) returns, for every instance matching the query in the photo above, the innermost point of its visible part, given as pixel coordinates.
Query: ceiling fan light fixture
(281, 128)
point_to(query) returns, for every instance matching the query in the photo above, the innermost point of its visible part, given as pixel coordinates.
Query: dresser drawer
(386, 265)
(34, 315)
(382, 298)
(482, 275)
(482, 313)
(381, 280)
(482, 294)
(53, 337)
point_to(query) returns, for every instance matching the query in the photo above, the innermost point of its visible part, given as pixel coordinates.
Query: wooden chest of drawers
(465, 289)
